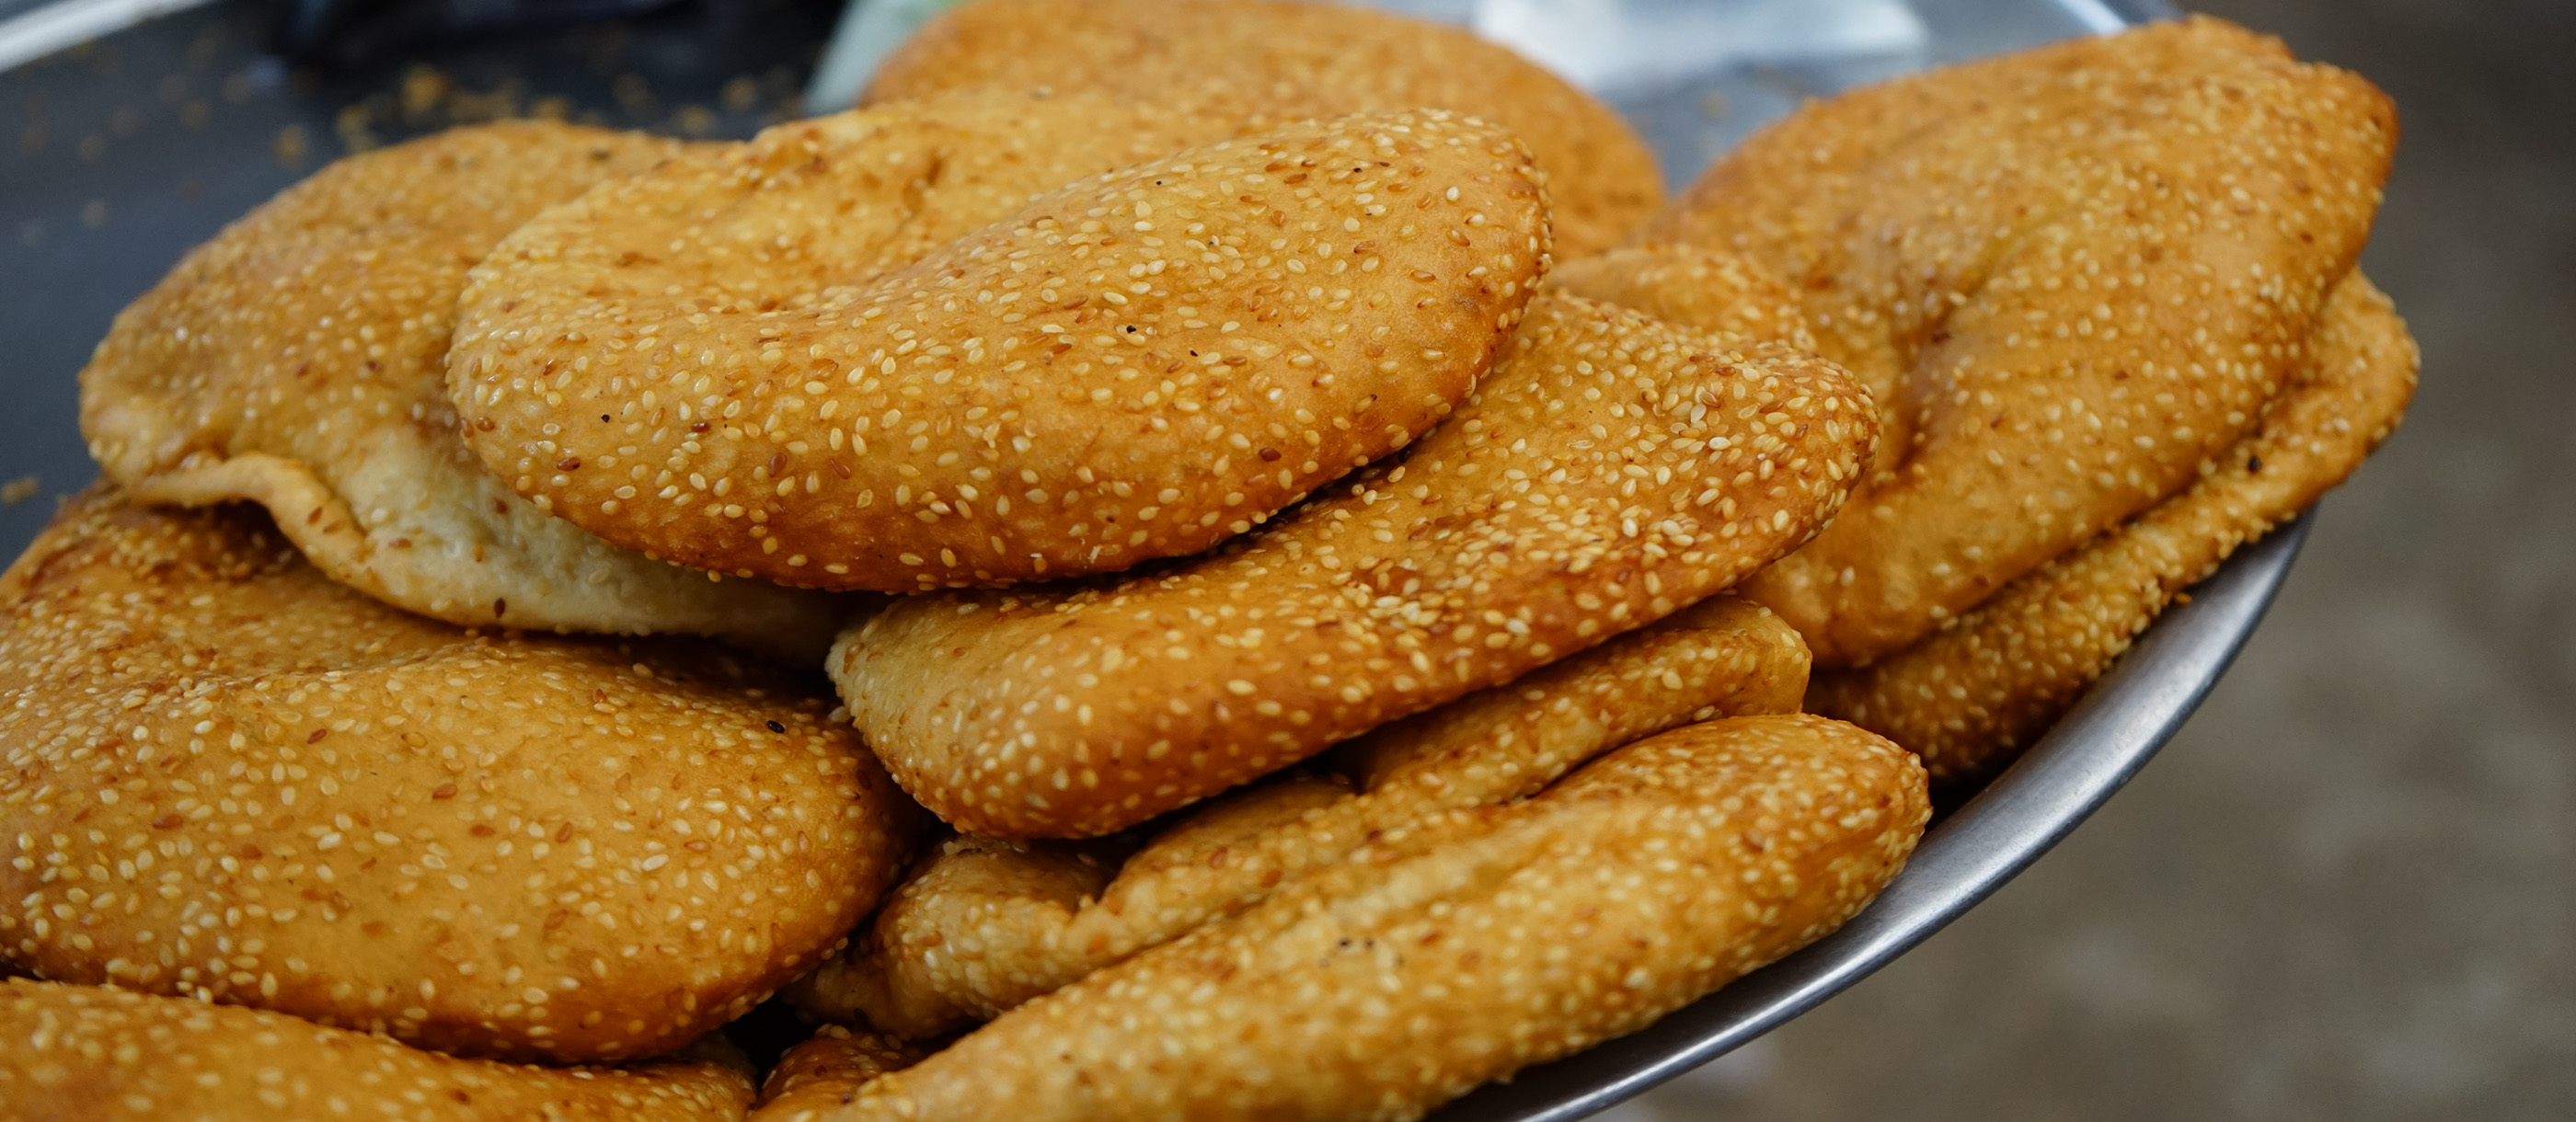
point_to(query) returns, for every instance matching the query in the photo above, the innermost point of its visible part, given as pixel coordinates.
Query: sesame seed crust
(299, 360)
(982, 926)
(97, 1054)
(2071, 276)
(224, 776)
(1966, 697)
(826, 1071)
(1259, 63)
(1135, 366)
(1710, 290)
(1465, 947)
(1613, 470)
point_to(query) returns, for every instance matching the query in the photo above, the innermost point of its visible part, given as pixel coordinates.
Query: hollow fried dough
(1263, 62)
(1613, 470)
(228, 777)
(1964, 698)
(826, 1071)
(699, 361)
(94, 1054)
(2071, 276)
(1465, 947)
(299, 361)
(984, 926)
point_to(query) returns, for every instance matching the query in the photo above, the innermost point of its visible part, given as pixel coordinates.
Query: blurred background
(2347, 891)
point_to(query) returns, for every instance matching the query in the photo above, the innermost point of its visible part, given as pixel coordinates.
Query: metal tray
(136, 147)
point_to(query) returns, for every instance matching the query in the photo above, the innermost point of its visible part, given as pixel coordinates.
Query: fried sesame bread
(2071, 277)
(98, 1054)
(1260, 63)
(1967, 697)
(1614, 469)
(981, 927)
(1462, 948)
(227, 777)
(704, 361)
(826, 1071)
(1711, 290)
(299, 361)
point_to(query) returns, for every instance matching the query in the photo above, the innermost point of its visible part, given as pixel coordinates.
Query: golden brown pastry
(299, 361)
(1964, 698)
(226, 776)
(982, 925)
(711, 362)
(96, 1054)
(1711, 290)
(1263, 62)
(1613, 470)
(2071, 276)
(1463, 948)
(826, 1071)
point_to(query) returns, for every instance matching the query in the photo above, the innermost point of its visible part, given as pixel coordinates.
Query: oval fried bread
(2071, 276)
(299, 361)
(1463, 948)
(1263, 62)
(700, 361)
(1964, 698)
(95, 1054)
(1612, 471)
(981, 927)
(228, 777)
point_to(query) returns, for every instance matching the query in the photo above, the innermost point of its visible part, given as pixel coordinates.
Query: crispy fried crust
(2071, 275)
(1613, 470)
(226, 776)
(1262, 62)
(1464, 948)
(1711, 290)
(82, 1052)
(1135, 366)
(985, 926)
(299, 360)
(826, 1071)
(1965, 698)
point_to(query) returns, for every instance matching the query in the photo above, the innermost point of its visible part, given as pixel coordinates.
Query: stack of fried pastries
(1321, 576)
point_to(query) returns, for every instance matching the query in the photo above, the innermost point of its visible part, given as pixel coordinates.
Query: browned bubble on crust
(97, 1054)
(1463, 948)
(1613, 470)
(1261, 62)
(227, 777)
(826, 1071)
(2071, 276)
(299, 360)
(1965, 698)
(984, 926)
(1135, 366)
(1711, 290)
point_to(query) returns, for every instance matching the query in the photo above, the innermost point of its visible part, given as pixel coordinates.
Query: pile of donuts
(1210, 559)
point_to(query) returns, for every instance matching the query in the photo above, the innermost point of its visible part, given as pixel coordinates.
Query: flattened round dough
(299, 361)
(228, 777)
(96, 1054)
(1261, 62)
(719, 361)
(2071, 276)
(1965, 697)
